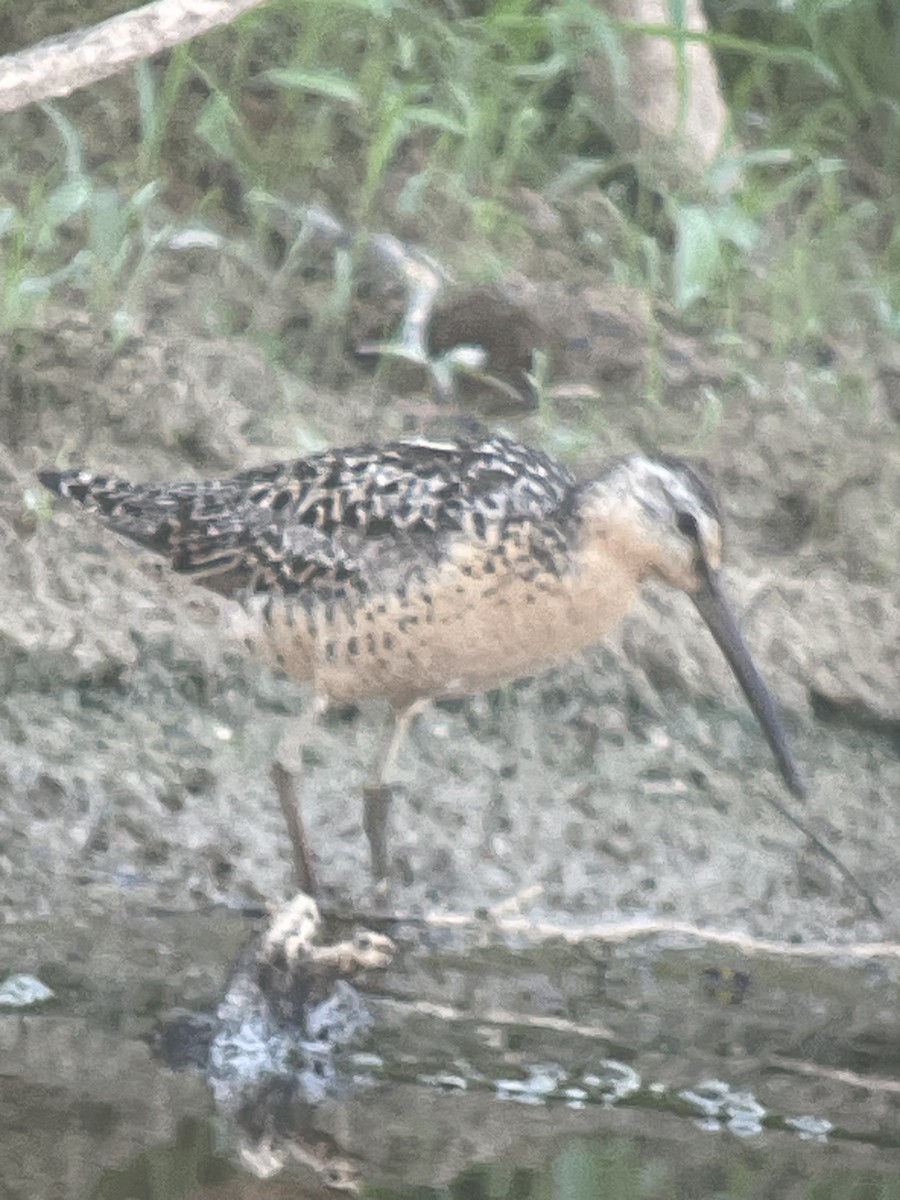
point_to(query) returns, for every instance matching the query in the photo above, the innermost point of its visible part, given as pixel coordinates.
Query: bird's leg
(285, 789)
(284, 778)
(377, 794)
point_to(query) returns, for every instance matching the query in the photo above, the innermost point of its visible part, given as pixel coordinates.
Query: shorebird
(423, 569)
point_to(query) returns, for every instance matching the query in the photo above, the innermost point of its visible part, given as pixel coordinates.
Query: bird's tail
(84, 487)
(149, 514)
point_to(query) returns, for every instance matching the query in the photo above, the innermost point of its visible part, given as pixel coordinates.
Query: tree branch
(60, 65)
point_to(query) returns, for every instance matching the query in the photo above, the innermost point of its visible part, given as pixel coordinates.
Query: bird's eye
(686, 524)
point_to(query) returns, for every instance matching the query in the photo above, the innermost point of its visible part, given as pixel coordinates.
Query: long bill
(713, 608)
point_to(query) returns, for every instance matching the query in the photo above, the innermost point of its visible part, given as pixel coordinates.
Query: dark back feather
(339, 518)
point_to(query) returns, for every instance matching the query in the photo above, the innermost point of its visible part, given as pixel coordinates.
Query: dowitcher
(424, 569)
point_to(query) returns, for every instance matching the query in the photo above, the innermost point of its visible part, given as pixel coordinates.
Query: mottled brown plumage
(422, 569)
(386, 571)
(314, 527)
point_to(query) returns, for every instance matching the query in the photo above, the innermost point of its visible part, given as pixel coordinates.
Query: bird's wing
(336, 519)
(412, 485)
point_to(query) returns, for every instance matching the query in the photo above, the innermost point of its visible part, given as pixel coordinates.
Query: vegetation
(430, 118)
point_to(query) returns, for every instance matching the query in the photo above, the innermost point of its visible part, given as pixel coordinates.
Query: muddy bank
(137, 739)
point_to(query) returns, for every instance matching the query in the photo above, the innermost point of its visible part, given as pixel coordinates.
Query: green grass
(396, 114)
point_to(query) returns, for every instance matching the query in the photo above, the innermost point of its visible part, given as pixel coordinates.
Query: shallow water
(504, 1061)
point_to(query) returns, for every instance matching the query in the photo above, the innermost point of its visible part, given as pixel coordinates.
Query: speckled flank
(472, 622)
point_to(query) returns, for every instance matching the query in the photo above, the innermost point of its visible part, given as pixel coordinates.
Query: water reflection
(475, 1065)
(646, 1166)
(270, 1055)
(622, 1169)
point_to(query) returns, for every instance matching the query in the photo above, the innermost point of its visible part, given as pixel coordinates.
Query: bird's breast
(477, 619)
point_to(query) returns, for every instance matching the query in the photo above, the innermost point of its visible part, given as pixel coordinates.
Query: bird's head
(667, 516)
(666, 520)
